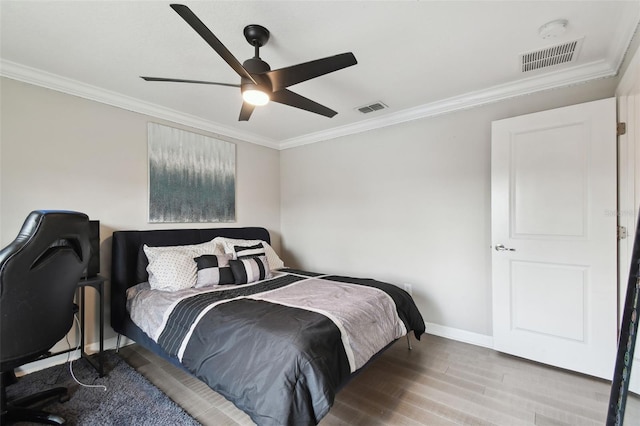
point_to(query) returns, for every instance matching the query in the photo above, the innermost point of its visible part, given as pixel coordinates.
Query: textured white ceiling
(418, 57)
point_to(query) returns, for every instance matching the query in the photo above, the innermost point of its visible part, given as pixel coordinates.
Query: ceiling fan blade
(211, 39)
(290, 98)
(288, 76)
(178, 80)
(246, 111)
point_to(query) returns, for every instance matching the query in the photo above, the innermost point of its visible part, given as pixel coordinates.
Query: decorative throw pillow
(249, 251)
(172, 268)
(213, 270)
(228, 244)
(250, 269)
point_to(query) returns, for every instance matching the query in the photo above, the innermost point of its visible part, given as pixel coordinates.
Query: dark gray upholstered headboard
(127, 247)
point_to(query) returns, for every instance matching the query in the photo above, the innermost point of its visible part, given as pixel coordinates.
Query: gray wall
(410, 204)
(63, 152)
(406, 204)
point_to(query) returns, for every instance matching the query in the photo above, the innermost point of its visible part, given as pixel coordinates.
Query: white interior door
(553, 188)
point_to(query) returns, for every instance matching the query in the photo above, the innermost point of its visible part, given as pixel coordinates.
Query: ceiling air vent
(376, 106)
(554, 55)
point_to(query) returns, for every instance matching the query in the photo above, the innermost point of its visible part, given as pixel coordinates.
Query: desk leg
(99, 287)
(82, 309)
(100, 354)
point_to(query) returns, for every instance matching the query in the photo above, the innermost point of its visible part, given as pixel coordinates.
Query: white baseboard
(41, 364)
(108, 344)
(435, 329)
(460, 335)
(91, 348)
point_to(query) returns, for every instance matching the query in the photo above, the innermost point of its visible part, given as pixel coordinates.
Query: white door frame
(628, 103)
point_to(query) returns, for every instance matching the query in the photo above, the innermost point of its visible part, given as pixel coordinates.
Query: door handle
(501, 247)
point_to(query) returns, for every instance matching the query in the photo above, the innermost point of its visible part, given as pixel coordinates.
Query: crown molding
(562, 78)
(623, 44)
(58, 83)
(553, 80)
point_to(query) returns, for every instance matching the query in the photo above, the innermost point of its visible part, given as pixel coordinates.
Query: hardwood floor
(439, 382)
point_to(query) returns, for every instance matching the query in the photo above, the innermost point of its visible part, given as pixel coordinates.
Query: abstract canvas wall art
(192, 178)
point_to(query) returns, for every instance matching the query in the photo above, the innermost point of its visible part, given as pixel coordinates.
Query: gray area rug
(130, 398)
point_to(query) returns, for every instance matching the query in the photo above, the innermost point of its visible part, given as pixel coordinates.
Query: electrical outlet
(408, 288)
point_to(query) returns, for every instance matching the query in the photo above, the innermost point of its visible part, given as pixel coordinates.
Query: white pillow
(272, 257)
(172, 268)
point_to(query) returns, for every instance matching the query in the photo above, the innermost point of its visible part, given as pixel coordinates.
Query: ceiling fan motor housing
(256, 67)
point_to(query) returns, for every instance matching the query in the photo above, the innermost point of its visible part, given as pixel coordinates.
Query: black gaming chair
(39, 272)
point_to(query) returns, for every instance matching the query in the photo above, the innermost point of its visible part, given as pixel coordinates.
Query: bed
(277, 343)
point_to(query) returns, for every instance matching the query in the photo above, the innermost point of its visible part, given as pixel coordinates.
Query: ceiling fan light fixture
(255, 97)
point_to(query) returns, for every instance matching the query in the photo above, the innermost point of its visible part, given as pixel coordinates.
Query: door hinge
(621, 129)
(622, 232)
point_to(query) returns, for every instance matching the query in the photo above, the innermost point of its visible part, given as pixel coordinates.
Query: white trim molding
(460, 335)
(92, 348)
(74, 355)
(568, 77)
(561, 78)
(628, 99)
(58, 83)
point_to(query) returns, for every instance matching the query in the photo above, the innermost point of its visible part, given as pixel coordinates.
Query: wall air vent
(376, 106)
(550, 56)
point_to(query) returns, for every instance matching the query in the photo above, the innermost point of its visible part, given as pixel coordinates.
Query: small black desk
(97, 283)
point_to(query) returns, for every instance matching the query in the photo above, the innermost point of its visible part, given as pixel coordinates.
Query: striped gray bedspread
(279, 349)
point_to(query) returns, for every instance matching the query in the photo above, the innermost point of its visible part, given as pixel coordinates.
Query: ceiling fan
(258, 83)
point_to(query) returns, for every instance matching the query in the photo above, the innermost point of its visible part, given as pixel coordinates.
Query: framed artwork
(192, 178)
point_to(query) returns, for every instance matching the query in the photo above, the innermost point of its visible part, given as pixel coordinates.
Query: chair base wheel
(18, 410)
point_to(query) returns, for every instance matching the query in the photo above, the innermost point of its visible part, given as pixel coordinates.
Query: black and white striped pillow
(249, 251)
(250, 269)
(213, 270)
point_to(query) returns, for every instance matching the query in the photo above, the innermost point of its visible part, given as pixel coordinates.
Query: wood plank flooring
(439, 382)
